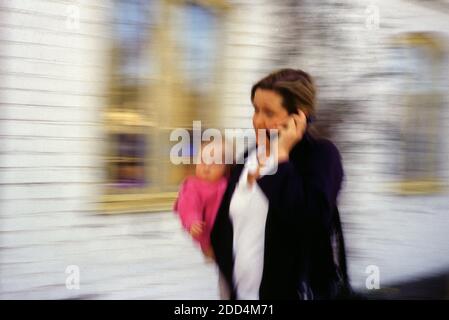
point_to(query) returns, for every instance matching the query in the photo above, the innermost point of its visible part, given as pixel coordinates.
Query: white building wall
(52, 94)
(248, 56)
(53, 85)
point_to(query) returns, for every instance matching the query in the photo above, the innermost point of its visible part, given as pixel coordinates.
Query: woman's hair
(296, 88)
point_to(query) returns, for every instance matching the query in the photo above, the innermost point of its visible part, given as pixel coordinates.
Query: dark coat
(302, 231)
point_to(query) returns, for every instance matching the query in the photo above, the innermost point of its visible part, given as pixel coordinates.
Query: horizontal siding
(34, 145)
(52, 84)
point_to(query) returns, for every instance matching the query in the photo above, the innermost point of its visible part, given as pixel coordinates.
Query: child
(199, 199)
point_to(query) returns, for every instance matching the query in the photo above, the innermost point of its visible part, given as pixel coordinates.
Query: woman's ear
(306, 113)
(309, 117)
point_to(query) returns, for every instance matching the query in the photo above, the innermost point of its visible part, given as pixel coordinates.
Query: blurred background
(90, 91)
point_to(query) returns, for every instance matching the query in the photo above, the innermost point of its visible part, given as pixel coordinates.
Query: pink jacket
(198, 200)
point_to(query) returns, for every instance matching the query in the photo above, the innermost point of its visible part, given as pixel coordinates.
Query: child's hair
(224, 146)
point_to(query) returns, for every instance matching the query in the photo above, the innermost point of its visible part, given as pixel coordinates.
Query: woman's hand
(290, 133)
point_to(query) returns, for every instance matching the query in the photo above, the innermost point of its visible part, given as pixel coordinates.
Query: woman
(278, 236)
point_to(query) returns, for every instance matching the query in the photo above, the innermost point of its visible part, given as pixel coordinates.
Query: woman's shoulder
(321, 152)
(324, 146)
(325, 167)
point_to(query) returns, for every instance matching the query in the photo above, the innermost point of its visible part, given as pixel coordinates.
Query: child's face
(210, 172)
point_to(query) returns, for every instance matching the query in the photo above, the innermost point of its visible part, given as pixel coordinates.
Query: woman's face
(268, 110)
